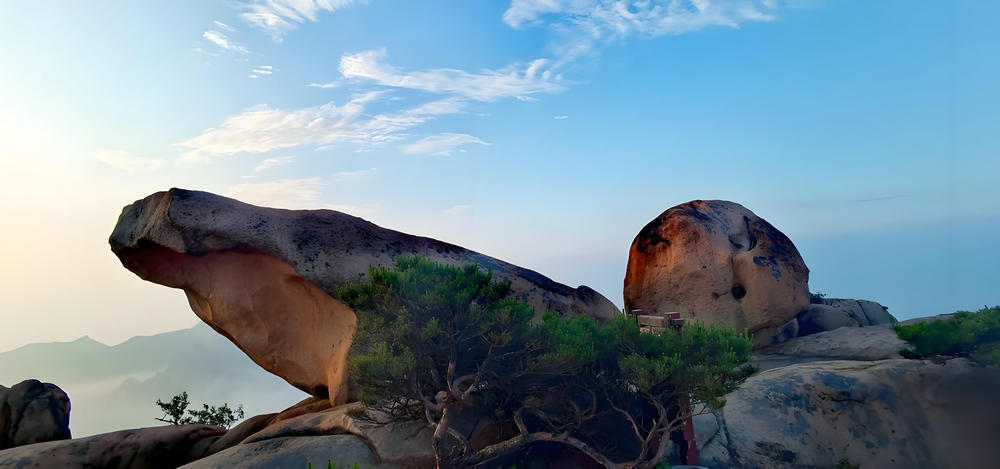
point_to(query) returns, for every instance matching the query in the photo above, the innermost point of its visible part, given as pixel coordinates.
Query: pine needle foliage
(434, 340)
(975, 335)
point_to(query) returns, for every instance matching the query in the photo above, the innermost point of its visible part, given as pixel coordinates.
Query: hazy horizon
(544, 134)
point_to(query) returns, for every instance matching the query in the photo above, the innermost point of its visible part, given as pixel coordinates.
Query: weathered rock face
(406, 444)
(145, 448)
(267, 278)
(342, 450)
(889, 413)
(847, 393)
(33, 412)
(237, 434)
(864, 344)
(717, 262)
(831, 313)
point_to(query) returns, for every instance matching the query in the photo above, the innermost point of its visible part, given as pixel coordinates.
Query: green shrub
(965, 334)
(846, 464)
(222, 416)
(432, 340)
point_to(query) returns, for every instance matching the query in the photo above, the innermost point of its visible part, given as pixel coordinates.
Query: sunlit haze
(546, 134)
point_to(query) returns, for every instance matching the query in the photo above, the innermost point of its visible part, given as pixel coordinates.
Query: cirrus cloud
(518, 81)
(261, 128)
(442, 144)
(277, 17)
(223, 42)
(580, 25)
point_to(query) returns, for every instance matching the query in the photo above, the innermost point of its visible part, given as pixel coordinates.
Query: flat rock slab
(293, 453)
(845, 343)
(145, 448)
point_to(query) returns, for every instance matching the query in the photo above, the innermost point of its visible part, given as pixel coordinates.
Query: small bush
(965, 334)
(846, 464)
(173, 413)
(816, 298)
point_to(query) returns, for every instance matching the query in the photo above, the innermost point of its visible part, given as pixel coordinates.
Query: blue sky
(545, 133)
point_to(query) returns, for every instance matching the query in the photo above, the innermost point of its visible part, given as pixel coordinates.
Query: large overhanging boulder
(717, 262)
(267, 278)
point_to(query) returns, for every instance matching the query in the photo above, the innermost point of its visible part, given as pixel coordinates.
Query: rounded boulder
(717, 262)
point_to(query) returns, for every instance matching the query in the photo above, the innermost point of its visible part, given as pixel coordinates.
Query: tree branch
(631, 421)
(508, 446)
(450, 376)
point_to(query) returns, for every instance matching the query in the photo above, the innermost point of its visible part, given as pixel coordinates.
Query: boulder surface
(831, 313)
(717, 262)
(32, 412)
(267, 278)
(887, 413)
(292, 452)
(864, 344)
(164, 447)
(403, 443)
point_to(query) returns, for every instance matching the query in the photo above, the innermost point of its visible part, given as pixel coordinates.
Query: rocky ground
(831, 384)
(847, 393)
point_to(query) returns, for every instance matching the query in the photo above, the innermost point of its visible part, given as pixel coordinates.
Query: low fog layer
(113, 388)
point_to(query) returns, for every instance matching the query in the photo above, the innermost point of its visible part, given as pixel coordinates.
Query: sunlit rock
(717, 262)
(267, 278)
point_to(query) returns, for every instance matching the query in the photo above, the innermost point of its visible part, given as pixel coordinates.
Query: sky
(546, 133)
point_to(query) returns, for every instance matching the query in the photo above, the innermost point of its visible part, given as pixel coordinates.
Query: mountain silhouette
(116, 387)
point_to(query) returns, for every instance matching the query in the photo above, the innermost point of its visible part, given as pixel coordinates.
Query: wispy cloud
(351, 175)
(286, 193)
(582, 24)
(458, 209)
(224, 26)
(485, 85)
(559, 118)
(277, 17)
(441, 144)
(261, 128)
(126, 160)
(272, 163)
(223, 42)
(323, 85)
(262, 70)
(304, 193)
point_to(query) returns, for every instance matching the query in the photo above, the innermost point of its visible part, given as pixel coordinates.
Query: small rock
(821, 318)
(32, 412)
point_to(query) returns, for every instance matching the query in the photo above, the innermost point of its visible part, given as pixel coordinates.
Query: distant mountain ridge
(116, 387)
